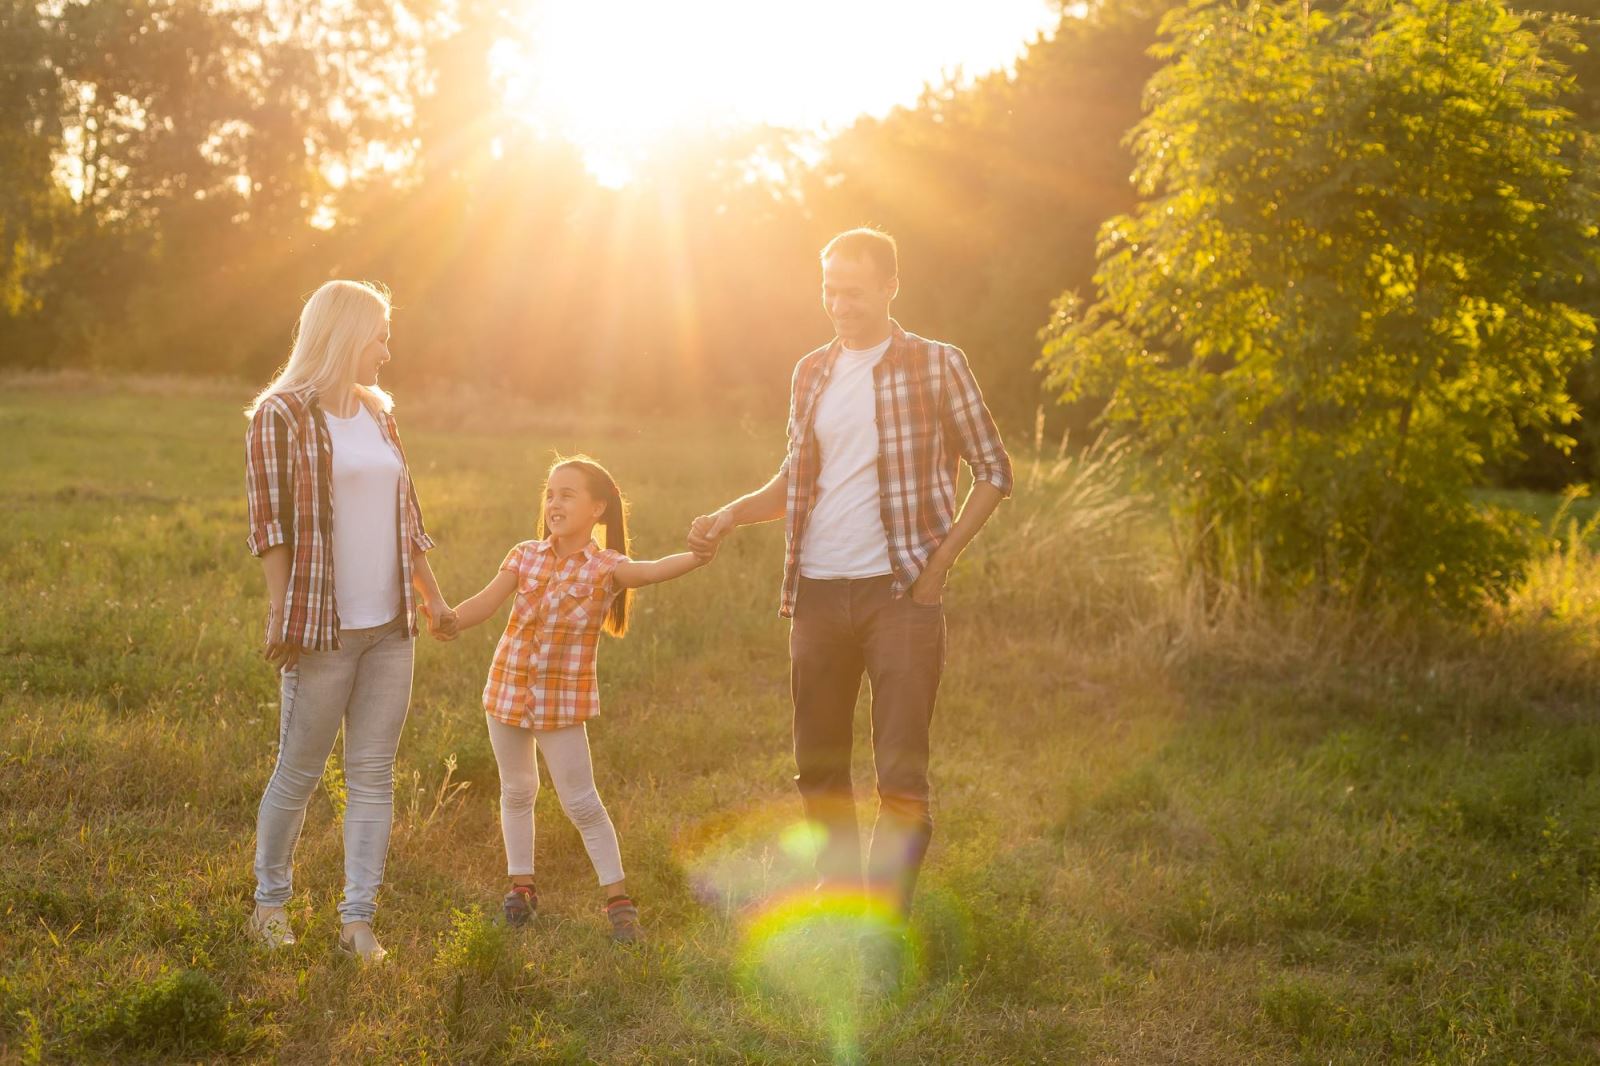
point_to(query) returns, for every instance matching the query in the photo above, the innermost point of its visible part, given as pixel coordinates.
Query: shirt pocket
(578, 605)
(525, 604)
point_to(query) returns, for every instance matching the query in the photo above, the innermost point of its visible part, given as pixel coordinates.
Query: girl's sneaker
(625, 927)
(520, 905)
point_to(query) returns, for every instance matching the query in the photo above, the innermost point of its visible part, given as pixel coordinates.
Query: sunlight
(619, 78)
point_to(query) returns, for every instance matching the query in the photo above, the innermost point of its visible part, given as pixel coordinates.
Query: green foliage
(182, 1012)
(473, 946)
(1345, 292)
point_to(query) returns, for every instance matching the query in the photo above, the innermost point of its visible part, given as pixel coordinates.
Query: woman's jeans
(365, 686)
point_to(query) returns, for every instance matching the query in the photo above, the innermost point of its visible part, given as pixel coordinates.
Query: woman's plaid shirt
(930, 415)
(543, 675)
(288, 463)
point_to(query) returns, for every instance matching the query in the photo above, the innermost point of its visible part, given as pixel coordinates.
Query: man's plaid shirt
(930, 416)
(289, 488)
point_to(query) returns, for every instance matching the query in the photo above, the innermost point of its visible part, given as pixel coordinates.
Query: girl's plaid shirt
(288, 455)
(543, 675)
(930, 415)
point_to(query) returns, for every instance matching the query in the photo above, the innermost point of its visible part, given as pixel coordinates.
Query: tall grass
(1165, 832)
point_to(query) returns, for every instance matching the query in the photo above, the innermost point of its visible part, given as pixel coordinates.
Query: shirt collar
(896, 350)
(547, 547)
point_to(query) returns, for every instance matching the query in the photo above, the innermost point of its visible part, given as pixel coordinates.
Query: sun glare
(621, 77)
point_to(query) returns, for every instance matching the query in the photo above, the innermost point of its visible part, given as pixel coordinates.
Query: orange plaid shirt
(543, 674)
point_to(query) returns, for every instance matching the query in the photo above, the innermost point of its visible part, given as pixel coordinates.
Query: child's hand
(707, 532)
(707, 551)
(442, 622)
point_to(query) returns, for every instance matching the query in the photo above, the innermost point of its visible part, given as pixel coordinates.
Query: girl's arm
(479, 608)
(637, 573)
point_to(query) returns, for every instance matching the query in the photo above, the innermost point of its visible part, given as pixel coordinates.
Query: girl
(542, 689)
(335, 521)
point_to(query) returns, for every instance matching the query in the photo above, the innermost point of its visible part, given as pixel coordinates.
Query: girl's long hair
(614, 524)
(339, 320)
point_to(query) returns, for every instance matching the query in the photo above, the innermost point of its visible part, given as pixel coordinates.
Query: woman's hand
(274, 648)
(442, 622)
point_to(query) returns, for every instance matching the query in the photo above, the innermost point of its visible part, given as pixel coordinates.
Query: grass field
(1159, 841)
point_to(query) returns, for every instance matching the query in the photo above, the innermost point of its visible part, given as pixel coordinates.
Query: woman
(335, 522)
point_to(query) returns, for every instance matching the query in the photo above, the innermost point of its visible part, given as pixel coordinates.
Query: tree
(1345, 290)
(995, 189)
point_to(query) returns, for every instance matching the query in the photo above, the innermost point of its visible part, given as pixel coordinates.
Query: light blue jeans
(364, 686)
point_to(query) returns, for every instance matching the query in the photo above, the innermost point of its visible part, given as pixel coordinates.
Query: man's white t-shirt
(366, 522)
(844, 536)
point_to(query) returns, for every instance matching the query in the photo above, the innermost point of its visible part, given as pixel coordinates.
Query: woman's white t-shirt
(844, 535)
(366, 522)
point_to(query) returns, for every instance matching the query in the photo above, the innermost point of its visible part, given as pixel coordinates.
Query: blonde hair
(339, 320)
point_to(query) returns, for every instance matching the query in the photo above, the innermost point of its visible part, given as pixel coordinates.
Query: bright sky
(615, 76)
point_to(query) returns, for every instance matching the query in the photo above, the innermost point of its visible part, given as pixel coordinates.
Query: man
(877, 420)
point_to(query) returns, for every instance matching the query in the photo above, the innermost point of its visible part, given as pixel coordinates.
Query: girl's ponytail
(602, 486)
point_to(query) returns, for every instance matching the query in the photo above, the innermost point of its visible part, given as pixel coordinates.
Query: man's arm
(979, 444)
(981, 501)
(765, 504)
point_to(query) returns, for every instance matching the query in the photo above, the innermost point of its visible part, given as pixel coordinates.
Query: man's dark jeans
(841, 629)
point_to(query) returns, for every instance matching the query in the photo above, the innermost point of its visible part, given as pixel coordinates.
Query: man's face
(856, 296)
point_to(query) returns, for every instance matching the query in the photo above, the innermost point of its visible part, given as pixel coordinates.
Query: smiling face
(372, 357)
(570, 509)
(856, 296)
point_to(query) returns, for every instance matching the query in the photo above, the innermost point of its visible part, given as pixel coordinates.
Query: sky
(616, 76)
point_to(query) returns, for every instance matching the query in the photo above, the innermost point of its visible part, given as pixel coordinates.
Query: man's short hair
(868, 243)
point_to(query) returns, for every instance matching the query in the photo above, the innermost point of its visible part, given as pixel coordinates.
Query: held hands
(442, 623)
(706, 533)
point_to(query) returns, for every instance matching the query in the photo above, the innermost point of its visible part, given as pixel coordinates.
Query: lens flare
(821, 963)
(826, 963)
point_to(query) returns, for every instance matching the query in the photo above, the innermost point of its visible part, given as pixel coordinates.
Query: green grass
(1154, 844)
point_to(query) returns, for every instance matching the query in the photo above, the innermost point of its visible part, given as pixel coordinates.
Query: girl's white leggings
(566, 756)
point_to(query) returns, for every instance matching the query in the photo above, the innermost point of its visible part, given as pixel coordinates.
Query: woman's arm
(275, 567)
(479, 608)
(441, 620)
(270, 503)
(637, 573)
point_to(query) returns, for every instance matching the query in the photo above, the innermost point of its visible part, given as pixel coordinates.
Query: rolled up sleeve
(269, 494)
(977, 435)
(420, 541)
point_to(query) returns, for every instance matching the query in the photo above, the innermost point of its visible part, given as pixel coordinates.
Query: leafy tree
(1345, 291)
(29, 199)
(995, 189)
